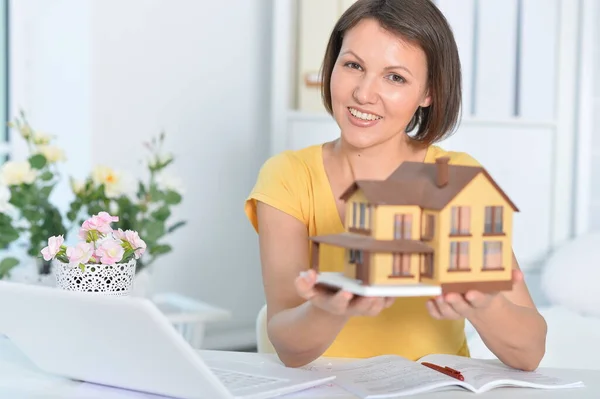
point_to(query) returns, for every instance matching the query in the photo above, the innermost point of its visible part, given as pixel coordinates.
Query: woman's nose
(366, 91)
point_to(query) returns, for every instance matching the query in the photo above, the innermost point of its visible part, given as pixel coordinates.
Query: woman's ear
(426, 100)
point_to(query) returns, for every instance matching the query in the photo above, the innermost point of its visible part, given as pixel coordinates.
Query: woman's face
(377, 84)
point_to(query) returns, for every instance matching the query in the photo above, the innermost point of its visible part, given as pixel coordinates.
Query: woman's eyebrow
(386, 68)
(399, 67)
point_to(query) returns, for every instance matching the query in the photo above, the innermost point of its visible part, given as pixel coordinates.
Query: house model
(429, 228)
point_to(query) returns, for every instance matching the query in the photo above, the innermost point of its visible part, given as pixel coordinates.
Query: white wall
(595, 186)
(111, 74)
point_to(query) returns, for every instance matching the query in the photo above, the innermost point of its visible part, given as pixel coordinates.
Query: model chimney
(441, 174)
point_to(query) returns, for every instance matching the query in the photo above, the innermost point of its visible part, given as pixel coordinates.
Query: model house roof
(430, 186)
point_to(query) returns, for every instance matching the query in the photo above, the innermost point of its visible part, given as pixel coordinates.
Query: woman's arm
(299, 331)
(508, 322)
(512, 328)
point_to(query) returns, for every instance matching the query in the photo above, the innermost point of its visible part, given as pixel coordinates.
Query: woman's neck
(377, 162)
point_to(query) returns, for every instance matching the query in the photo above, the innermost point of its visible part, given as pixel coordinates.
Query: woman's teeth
(363, 116)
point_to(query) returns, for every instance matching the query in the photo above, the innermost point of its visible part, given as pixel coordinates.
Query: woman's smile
(362, 118)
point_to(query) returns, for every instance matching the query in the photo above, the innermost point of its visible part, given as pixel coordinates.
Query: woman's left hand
(453, 306)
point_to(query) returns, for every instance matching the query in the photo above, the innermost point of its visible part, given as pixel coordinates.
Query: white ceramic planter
(114, 279)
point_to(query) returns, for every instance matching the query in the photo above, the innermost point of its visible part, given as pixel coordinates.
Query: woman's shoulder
(284, 182)
(455, 157)
(294, 160)
(297, 167)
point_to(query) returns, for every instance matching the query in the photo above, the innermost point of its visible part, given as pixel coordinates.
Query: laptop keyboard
(235, 381)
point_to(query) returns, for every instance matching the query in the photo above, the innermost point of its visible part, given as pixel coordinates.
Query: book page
(484, 375)
(389, 376)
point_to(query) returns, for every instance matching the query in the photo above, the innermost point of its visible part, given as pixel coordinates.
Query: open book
(392, 376)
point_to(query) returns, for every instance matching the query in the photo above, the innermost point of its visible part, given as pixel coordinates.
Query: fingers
(477, 299)
(336, 304)
(458, 304)
(305, 284)
(439, 308)
(373, 306)
(336, 301)
(517, 276)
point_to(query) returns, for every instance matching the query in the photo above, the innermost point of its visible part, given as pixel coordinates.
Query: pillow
(571, 275)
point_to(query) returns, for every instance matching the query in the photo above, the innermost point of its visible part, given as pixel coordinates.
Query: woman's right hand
(340, 303)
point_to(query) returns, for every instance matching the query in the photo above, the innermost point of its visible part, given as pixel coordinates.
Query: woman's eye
(397, 78)
(353, 65)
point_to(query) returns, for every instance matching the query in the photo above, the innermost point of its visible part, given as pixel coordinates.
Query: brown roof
(367, 243)
(414, 183)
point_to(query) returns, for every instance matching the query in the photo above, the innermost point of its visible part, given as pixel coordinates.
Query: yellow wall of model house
(478, 194)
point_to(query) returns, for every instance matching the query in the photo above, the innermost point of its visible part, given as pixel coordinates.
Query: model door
(361, 260)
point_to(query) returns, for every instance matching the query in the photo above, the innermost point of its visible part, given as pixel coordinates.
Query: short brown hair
(418, 22)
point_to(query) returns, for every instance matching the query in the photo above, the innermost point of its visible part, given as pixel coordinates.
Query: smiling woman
(391, 80)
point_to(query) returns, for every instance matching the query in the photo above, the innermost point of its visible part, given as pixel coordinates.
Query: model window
(492, 255)
(460, 223)
(459, 255)
(355, 256)
(493, 220)
(402, 226)
(401, 265)
(361, 215)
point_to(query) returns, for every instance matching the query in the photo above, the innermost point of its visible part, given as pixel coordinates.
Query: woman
(391, 80)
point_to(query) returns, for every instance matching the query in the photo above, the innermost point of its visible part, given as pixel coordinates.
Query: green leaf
(160, 249)
(63, 258)
(47, 176)
(141, 190)
(176, 226)
(172, 198)
(128, 255)
(155, 194)
(162, 213)
(37, 161)
(6, 265)
(8, 234)
(46, 191)
(154, 231)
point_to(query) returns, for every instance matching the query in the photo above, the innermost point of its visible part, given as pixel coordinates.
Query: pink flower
(106, 218)
(54, 244)
(133, 239)
(81, 253)
(98, 223)
(110, 252)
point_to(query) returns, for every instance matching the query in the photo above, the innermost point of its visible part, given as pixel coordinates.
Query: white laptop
(126, 342)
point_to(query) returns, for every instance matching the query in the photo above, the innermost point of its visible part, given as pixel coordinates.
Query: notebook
(391, 376)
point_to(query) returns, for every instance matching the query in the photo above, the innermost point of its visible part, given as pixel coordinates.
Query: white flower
(77, 186)
(41, 138)
(14, 173)
(159, 159)
(5, 206)
(115, 183)
(167, 181)
(52, 153)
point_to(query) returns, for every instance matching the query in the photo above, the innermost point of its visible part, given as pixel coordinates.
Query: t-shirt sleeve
(280, 184)
(463, 159)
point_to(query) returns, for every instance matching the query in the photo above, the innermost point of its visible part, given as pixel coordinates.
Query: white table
(19, 379)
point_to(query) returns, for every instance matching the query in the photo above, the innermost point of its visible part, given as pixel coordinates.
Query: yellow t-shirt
(295, 182)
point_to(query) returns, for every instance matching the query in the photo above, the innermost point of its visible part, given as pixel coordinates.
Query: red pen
(445, 370)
